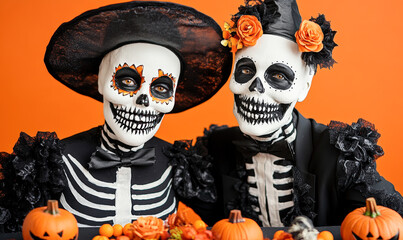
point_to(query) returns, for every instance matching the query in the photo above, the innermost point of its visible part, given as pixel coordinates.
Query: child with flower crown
(277, 164)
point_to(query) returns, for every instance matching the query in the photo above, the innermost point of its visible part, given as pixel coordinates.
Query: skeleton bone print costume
(137, 93)
(107, 195)
(277, 165)
(276, 187)
(139, 59)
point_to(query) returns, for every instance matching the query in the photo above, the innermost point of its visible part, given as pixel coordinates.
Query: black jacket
(324, 190)
(35, 172)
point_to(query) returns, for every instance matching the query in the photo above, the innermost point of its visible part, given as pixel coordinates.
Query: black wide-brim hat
(77, 47)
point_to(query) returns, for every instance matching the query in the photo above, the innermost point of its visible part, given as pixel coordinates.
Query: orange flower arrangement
(231, 40)
(309, 37)
(148, 228)
(247, 31)
(185, 224)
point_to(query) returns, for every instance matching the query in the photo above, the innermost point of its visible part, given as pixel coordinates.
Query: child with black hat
(142, 60)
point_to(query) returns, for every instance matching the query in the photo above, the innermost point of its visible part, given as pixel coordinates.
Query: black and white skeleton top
(116, 195)
(270, 178)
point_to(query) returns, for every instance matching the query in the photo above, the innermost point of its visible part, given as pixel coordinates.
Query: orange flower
(309, 37)
(249, 30)
(171, 220)
(148, 228)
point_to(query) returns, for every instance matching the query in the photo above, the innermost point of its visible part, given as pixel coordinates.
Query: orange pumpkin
(372, 222)
(237, 228)
(325, 235)
(50, 222)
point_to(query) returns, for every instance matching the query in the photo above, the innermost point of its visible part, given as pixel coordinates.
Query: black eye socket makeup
(162, 87)
(127, 79)
(245, 69)
(279, 76)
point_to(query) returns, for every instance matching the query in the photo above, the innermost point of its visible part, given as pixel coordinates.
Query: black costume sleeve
(29, 177)
(357, 176)
(193, 179)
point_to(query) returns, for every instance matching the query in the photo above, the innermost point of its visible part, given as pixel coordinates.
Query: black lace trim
(391, 200)
(359, 149)
(356, 163)
(303, 203)
(192, 174)
(30, 176)
(244, 200)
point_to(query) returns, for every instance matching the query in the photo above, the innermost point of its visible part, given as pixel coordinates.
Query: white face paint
(268, 80)
(138, 82)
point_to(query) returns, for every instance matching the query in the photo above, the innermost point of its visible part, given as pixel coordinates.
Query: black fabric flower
(192, 176)
(324, 58)
(359, 149)
(30, 176)
(356, 163)
(265, 11)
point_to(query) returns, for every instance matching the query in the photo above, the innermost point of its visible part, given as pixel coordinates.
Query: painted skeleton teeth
(256, 111)
(135, 120)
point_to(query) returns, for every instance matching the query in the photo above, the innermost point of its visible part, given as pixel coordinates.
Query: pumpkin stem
(371, 209)
(235, 217)
(53, 207)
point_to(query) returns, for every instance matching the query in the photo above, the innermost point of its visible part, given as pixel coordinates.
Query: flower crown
(314, 37)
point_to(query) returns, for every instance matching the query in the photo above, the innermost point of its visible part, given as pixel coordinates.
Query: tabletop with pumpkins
(368, 222)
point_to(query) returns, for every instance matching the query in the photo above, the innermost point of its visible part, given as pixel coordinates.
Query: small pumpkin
(50, 222)
(325, 235)
(237, 228)
(372, 222)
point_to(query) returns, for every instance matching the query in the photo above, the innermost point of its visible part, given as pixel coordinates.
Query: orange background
(367, 81)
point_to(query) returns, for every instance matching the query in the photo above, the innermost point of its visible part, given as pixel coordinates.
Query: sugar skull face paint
(138, 82)
(161, 89)
(268, 80)
(127, 79)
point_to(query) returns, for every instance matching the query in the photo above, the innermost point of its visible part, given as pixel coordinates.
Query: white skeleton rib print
(274, 191)
(95, 202)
